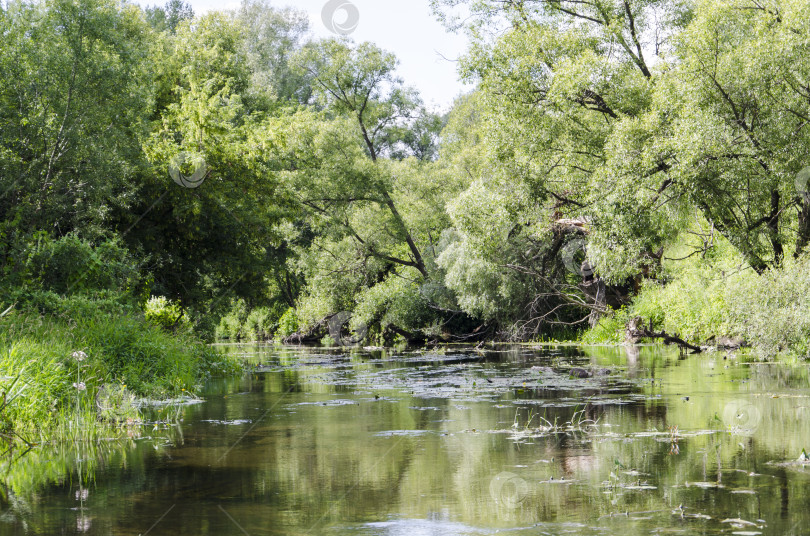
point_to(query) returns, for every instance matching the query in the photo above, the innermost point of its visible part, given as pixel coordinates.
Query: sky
(427, 52)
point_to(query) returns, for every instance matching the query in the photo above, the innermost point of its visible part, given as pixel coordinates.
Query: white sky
(405, 27)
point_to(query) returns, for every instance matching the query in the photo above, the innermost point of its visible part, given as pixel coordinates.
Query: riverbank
(82, 377)
(714, 299)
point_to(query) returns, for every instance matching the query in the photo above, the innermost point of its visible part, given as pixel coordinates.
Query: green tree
(739, 138)
(168, 17)
(358, 83)
(215, 240)
(270, 38)
(74, 88)
(556, 80)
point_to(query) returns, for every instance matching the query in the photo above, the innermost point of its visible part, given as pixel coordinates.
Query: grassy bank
(81, 377)
(717, 295)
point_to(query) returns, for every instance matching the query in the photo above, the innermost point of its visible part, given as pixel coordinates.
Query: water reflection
(458, 442)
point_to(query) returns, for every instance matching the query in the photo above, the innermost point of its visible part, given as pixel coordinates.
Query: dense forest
(227, 175)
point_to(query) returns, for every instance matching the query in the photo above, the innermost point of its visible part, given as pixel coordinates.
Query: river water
(452, 442)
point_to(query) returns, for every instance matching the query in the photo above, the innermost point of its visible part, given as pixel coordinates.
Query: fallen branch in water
(636, 330)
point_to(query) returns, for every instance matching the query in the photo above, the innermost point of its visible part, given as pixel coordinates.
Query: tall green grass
(49, 390)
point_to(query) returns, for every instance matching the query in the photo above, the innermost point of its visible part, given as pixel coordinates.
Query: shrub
(693, 306)
(263, 322)
(72, 265)
(287, 324)
(166, 314)
(230, 325)
(50, 303)
(609, 330)
(693, 300)
(718, 295)
(397, 301)
(70, 277)
(772, 311)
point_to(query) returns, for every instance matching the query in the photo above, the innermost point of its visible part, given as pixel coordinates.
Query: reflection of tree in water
(336, 454)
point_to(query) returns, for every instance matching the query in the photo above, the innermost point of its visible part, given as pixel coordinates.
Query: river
(452, 442)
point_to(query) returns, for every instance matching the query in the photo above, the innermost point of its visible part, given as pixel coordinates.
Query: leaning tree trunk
(597, 289)
(803, 237)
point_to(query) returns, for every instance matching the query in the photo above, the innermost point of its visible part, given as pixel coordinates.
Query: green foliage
(609, 330)
(77, 305)
(714, 295)
(396, 301)
(271, 37)
(359, 80)
(36, 386)
(166, 314)
(287, 324)
(256, 324)
(693, 306)
(329, 186)
(168, 17)
(230, 325)
(694, 303)
(263, 322)
(772, 311)
(55, 370)
(71, 265)
(146, 360)
(70, 277)
(73, 112)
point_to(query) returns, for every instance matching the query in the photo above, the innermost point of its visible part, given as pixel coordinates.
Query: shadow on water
(517, 440)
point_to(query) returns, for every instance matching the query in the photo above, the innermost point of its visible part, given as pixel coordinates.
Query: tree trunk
(417, 256)
(600, 301)
(803, 237)
(773, 227)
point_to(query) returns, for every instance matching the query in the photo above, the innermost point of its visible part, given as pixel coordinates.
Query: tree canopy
(600, 138)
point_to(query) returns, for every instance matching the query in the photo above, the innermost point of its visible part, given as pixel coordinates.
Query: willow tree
(632, 116)
(362, 166)
(556, 81)
(358, 83)
(739, 136)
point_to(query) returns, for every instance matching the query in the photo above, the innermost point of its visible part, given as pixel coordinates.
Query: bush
(397, 301)
(162, 312)
(262, 323)
(255, 325)
(50, 303)
(772, 311)
(693, 301)
(230, 325)
(693, 306)
(287, 324)
(70, 278)
(609, 330)
(72, 265)
(716, 295)
(259, 324)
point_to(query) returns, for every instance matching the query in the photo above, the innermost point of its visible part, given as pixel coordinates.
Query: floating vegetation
(422, 442)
